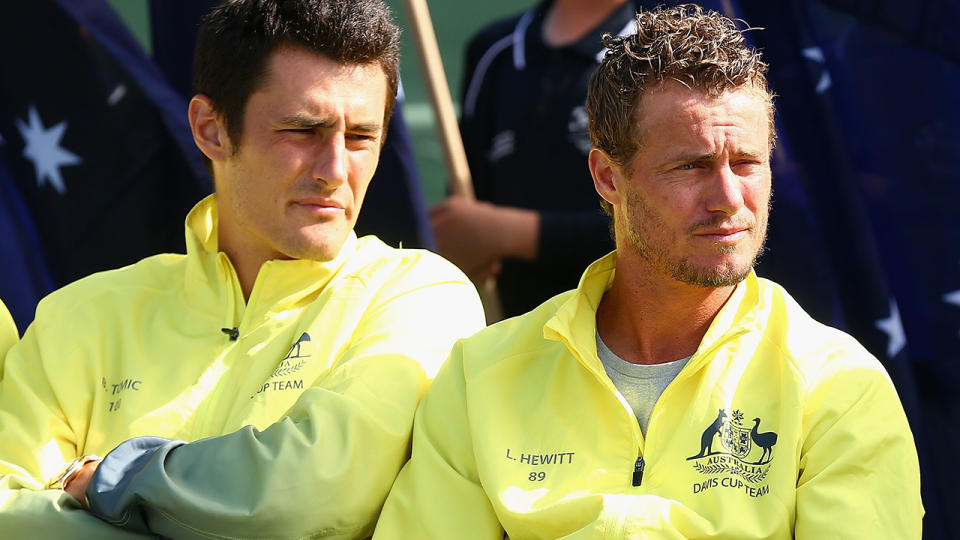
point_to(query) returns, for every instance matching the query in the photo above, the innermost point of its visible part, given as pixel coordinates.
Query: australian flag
(97, 166)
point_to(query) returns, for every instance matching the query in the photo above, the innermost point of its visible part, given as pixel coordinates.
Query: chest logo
(502, 145)
(728, 447)
(577, 127)
(293, 362)
(295, 349)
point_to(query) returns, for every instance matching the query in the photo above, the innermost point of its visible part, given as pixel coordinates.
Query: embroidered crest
(736, 439)
(737, 452)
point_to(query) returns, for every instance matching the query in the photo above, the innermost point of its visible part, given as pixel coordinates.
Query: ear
(209, 131)
(605, 175)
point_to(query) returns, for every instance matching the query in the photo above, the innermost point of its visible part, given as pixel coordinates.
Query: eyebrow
(309, 122)
(691, 157)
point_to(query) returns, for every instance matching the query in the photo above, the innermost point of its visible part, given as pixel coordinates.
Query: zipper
(638, 471)
(234, 332)
(637, 475)
(209, 412)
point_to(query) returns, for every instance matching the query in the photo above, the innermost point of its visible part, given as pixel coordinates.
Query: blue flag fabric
(25, 274)
(930, 24)
(101, 164)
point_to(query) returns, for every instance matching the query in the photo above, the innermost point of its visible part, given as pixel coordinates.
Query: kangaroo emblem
(706, 440)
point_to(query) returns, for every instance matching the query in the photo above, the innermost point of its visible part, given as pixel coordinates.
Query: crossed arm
(324, 467)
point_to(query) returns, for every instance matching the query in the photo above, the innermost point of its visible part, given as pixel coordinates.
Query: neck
(567, 21)
(246, 261)
(649, 318)
(247, 271)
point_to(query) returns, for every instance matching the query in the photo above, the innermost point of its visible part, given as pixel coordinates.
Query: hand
(475, 235)
(77, 486)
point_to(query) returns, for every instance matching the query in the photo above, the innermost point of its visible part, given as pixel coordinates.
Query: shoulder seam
(519, 35)
(479, 72)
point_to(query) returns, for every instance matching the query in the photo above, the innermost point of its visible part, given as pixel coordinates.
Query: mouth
(320, 206)
(724, 236)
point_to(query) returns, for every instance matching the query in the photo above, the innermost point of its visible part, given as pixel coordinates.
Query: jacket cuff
(113, 492)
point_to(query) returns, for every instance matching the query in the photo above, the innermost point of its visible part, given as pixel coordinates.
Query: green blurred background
(454, 22)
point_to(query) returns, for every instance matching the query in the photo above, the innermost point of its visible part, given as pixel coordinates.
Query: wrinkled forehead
(672, 102)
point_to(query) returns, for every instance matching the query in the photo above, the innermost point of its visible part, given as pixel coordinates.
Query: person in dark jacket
(537, 222)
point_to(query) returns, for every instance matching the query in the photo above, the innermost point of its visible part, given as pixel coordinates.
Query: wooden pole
(439, 93)
(425, 41)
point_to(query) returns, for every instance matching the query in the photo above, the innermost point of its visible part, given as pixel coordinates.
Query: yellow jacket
(8, 333)
(777, 427)
(310, 407)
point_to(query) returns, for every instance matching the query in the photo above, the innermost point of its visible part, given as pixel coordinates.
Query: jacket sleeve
(37, 441)
(859, 474)
(324, 469)
(438, 493)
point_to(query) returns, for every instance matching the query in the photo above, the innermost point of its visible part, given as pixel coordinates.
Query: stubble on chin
(682, 269)
(321, 246)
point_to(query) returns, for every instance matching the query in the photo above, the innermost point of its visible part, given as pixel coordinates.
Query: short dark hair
(236, 39)
(699, 48)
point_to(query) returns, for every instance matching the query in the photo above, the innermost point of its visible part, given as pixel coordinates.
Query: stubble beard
(648, 235)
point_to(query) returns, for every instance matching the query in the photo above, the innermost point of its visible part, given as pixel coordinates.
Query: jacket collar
(280, 284)
(575, 321)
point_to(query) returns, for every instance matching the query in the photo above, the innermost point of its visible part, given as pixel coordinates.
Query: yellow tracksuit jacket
(8, 333)
(777, 427)
(300, 424)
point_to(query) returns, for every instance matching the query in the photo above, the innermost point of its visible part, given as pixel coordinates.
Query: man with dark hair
(360, 32)
(262, 385)
(673, 394)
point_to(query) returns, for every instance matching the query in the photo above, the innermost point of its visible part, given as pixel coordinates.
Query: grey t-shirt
(640, 384)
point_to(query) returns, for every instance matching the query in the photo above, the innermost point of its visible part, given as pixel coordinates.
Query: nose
(725, 191)
(330, 164)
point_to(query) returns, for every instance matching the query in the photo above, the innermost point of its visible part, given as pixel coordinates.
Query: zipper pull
(638, 472)
(234, 332)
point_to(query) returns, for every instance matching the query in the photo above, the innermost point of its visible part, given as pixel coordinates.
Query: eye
(746, 162)
(687, 167)
(296, 133)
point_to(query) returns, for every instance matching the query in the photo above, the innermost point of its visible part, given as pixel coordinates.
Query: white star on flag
(816, 54)
(893, 327)
(44, 150)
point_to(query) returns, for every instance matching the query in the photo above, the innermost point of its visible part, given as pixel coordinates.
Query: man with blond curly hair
(673, 394)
